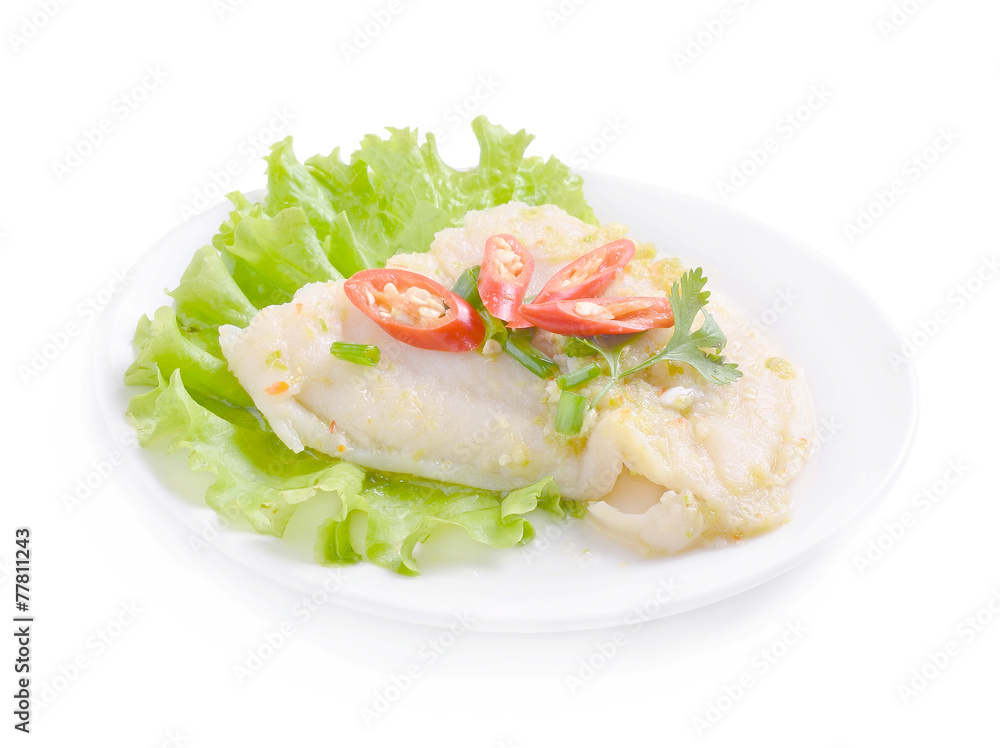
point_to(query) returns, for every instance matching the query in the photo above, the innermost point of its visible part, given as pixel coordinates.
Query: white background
(563, 72)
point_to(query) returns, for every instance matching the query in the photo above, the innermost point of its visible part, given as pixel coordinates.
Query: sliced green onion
(274, 360)
(467, 286)
(496, 329)
(570, 412)
(532, 359)
(355, 353)
(575, 378)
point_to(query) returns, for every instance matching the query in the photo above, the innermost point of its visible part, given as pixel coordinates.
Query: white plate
(570, 577)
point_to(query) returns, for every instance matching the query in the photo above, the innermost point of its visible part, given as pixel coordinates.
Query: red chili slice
(504, 275)
(587, 276)
(416, 310)
(600, 316)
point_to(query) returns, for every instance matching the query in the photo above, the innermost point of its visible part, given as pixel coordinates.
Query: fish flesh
(718, 456)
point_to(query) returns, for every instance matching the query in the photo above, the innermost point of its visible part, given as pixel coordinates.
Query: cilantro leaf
(610, 348)
(688, 297)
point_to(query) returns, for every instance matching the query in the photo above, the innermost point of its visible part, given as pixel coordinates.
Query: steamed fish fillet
(458, 417)
(721, 454)
(726, 452)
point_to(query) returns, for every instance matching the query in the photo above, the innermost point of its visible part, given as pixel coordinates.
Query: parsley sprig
(688, 297)
(610, 348)
(701, 348)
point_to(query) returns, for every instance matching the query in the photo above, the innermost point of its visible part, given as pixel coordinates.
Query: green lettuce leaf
(394, 195)
(163, 347)
(385, 519)
(326, 219)
(208, 296)
(254, 470)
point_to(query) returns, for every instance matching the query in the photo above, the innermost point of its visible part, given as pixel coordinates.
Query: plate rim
(100, 369)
